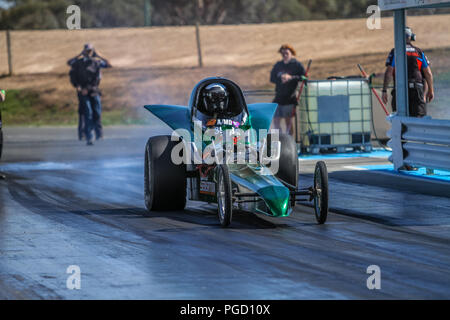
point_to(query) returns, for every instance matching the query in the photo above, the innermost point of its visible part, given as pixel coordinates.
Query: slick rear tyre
(288, 163)
(321, 190)
(164, 181)
(224, 196)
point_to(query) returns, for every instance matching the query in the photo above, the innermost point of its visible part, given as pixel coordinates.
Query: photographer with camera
(85, 76)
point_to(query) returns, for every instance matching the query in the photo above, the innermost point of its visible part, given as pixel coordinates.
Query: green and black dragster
(222, 152)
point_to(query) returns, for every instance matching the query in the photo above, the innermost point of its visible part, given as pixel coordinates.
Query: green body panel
(176, 117)
(261, 115)
(260, 180)
(277, 200)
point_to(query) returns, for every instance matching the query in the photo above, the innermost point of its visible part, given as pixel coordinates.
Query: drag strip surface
(64, 204)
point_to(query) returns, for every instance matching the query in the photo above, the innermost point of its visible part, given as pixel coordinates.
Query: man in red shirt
(419, 75)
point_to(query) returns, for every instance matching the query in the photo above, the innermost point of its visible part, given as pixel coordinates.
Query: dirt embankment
(158, 65)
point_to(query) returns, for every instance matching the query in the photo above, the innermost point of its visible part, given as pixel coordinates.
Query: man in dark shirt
(418, 71)
(85, 76)
(286, 74)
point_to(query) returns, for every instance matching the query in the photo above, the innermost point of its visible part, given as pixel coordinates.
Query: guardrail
(420, 142)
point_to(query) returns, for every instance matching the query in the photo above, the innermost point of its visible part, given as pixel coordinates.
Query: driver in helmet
(215, 109)
(215, 99)
(219, 112)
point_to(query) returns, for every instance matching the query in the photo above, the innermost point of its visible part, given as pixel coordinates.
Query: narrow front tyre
(321, 192)
(224, 196)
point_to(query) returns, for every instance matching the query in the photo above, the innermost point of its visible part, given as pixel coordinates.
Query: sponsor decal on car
(224, 122)
(207, 187)
(211, 123)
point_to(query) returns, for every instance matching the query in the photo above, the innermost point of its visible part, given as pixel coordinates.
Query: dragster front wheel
(224, 196)
(321, 192)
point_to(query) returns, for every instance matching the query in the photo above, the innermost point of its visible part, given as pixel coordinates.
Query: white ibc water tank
(335, 114)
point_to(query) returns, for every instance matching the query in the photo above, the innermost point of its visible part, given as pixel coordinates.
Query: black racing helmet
(215, 98)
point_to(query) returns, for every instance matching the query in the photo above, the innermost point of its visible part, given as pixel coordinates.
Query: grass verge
(26, 108)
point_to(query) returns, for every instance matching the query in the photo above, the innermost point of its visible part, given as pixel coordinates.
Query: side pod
(261, 115)
(176, 117)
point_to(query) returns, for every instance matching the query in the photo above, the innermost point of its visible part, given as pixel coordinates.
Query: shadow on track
(202, 216)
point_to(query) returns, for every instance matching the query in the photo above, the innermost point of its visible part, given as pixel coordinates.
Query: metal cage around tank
(335, 114)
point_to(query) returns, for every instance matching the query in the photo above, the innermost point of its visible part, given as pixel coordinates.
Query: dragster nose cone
(277, 199)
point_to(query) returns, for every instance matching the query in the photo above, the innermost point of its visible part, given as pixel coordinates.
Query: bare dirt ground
(158, 65)
(236, 45)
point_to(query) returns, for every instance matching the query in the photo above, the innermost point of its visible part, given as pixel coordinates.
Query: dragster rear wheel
(288, 162)
(224, 196)
(321, 192)
(164, 181)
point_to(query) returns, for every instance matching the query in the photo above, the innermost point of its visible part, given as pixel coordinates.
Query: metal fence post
(395, 143)
(401, 68)
(147, 13)
(8, 48)
(199, 47)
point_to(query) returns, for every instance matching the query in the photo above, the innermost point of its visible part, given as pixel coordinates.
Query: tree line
(51, 14)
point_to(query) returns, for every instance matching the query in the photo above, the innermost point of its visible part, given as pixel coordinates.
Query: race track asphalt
(64, 203)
